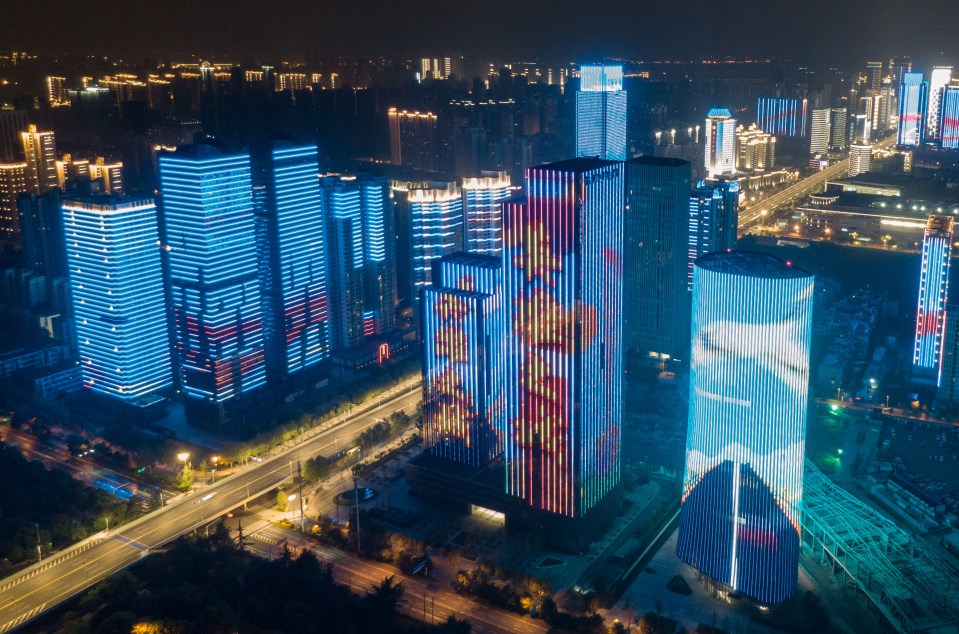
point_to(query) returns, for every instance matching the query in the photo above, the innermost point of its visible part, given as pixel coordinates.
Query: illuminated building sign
(563, 270)
(748, 402)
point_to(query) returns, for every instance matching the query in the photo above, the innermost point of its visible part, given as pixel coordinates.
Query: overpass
(31, 592)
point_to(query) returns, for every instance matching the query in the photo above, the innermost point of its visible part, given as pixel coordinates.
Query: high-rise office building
(860, 159)
(938, 81)
(713, 220)
(436, 228)
(861, 129)
(483, 212)
(291, 256)
(117, 290)
(819, 131)
(748, 403)
(41, 234)
(874, 75)
(838, 129)
(913, 100)
(950, 118)
(755, 149)
(720, 143)
(57, 91)
(656, 300)
(948, 392)
(208, 232)
(782, 117)
(601, 113)
(362, 258)
(40, 150)
(70, 170)
(463, 328)
(563, 279)
(415, 140)
(14, 181)
(12, 123)
(933, 297)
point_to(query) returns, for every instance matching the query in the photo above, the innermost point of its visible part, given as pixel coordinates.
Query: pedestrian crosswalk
(23, 618)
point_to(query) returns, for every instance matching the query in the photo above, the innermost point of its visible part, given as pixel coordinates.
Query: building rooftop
(659, 161)
(474, 259)
(719, 112)
(750, 264)
(577, 165)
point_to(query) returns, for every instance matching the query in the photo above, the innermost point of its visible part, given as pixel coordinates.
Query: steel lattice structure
(913, 588)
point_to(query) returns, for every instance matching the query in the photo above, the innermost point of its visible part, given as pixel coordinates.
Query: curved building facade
(748, 402)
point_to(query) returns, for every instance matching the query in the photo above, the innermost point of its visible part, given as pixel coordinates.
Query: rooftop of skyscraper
(576, 165)
(750, 264)
(659, 161)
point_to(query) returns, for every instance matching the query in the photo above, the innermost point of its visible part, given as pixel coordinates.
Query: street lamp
(183, 457)
(215, 459)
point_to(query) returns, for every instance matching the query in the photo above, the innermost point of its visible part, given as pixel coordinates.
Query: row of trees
(208, 585)
(49, 508)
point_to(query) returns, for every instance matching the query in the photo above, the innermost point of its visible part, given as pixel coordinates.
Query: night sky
(844, 32)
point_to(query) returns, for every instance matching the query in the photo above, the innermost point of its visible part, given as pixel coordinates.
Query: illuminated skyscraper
(601, 113)
(838, 128)
(362, 258)
(874, 75)
(463, 330)
(748, 403)
(208, 221)
(14, 181)
(948, 392)
(57, 91)
(933, 296)
(40, 150)
(755, 149)
(950, 118)
(483, 214)
(713, 220)
(860, 159)
(819, 131)
(117, 289)
(913, 99)
(563, 279)
(656, 315)
(781, 117)
(436, 228)
(291, 256)
(938, 81)
(720, 143)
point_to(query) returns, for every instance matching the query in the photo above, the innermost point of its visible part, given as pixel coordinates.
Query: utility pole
(356, 499)
(39, 551)
(299, 475)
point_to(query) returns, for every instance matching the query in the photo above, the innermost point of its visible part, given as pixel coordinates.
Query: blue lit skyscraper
(463, 330)
(933, 297)
(483, 211)
(563, 280)
(117, 292)
(436, 228)
(781, 116)
(748, 403)
(601, 113)
(291, 256)
(913, 101)
(713, 219)
(656, 312)
(362, 258)
(950, 118)
(214, 292)
(720, 143)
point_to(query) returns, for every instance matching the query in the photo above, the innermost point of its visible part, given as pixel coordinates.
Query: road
(894, 412)
(812, 184)
(43, 586)
(423, 599)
